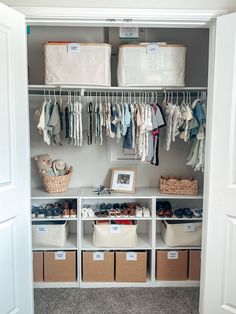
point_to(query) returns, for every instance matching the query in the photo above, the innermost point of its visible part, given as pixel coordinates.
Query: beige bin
(119, 236)
(137, 66)
(187, 233)
(78, 63)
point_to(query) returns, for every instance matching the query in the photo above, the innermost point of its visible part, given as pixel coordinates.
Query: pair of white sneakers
(142, 212)
(87, 212)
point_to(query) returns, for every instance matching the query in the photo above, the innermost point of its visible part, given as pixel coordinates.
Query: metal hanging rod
(93, 90)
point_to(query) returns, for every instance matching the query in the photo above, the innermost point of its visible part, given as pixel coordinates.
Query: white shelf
(115, 218)
(40, 193)
(160, 245)
(175, 218)
(87, 244)
(115, 284)
(140, 193)
(177, 283)
(54, 219)
(64, 284)
(71, 244)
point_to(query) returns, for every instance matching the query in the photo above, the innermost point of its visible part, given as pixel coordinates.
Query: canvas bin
(120, 236)
(139, 65)
(181, 233)
(49, 233)
(77, 63)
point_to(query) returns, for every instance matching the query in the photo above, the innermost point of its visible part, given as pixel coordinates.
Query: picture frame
(123, 180)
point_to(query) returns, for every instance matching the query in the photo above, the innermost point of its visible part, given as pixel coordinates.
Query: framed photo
(123, 180)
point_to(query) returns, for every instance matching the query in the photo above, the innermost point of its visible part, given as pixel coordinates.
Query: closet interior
(150, 262)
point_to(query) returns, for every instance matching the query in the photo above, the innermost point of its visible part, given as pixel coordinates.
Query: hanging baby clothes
(90, 124)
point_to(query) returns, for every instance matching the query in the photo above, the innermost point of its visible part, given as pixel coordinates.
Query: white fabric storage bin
(184, 233)
(121, 236)
(166, 67)
(88, 64)
(49, 233)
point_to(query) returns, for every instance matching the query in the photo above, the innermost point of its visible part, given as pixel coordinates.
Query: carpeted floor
(113, 301)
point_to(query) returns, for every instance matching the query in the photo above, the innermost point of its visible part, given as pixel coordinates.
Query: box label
(98, 256)
(73, 48)
(60, 255)
(128, 32)
(114, 229)
(172, 255)
(152, 49)
(131, 256)
(189, 227)
(42, 229)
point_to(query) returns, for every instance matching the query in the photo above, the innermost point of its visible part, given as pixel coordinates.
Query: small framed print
(123, 180)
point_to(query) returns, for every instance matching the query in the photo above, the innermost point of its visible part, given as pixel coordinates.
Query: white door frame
(54, 16)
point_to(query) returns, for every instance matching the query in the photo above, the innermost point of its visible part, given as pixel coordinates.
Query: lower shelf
(184, 283)
(43, 284)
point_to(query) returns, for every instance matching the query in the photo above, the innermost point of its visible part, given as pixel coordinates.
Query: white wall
(171, 4)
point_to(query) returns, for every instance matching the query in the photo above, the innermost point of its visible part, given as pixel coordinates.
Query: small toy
(44, 164)
(60, 167)
(102, 189)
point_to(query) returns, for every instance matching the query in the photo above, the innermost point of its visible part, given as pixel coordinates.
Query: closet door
(15, 231)
(218, 293)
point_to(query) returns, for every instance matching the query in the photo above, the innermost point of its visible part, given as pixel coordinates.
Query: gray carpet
(113, 301)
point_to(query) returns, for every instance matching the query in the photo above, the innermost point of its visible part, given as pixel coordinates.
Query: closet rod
(92, 90)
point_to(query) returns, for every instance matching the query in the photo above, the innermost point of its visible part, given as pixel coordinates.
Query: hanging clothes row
(188, 121)
(134, 121)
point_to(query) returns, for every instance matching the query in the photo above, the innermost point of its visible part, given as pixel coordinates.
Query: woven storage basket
(56, 184)
(178, 185)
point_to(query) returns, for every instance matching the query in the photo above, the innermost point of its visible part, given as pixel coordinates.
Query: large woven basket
(56, 184)
(178, 185)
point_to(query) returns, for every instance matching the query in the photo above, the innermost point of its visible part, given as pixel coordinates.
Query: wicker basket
(56, 184)
(178, 185)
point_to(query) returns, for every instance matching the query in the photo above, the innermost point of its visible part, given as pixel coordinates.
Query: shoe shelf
(176, 218)
(176, 283)
(143, 244)
(71, 244)
(160, 245)
(115, 284)
(116, 218)
(54, 219)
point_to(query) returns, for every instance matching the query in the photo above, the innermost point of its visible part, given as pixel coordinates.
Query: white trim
(118, 17)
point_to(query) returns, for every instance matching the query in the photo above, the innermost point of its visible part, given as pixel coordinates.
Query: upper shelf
(88, 193)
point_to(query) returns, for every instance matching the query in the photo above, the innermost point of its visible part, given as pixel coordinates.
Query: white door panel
(16, 292)
(219, 249)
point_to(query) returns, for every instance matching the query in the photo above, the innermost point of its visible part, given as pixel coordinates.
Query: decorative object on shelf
(178, 185)
(102, 189)
(53, 182)
(123, 180)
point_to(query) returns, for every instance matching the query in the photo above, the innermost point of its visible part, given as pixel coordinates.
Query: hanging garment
(169, 112)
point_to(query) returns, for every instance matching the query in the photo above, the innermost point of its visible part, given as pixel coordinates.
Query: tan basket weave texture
(57, 184)
(178, 185)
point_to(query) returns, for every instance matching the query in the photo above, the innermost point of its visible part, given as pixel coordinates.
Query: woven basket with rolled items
(55, 174)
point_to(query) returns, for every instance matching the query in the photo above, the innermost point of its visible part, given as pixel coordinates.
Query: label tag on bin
(73, 48)
(131, 256)
(189, 227)
(60, 255)
(114, 228)
(42, 229)
(172, 255)
(98, 256)
(153, 49)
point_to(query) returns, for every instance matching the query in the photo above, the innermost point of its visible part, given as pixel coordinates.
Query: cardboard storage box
(181, 233)
(194, 264)
(77, 63)
(151, 64)
(172, 265)
(60, 266)
(49, 233)
(38, 266)
(131, 266)
(98, 266)
(120, 236)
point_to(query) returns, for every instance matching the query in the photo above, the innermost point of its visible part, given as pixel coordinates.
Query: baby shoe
(84, 212)
(73, 212)
(56, 212)
(178, 213)
(146, 212)
(160, 209)
(138, 212)
(41, 212)
(197, 212)
(34, 211)
(66, 209)
(187, 213)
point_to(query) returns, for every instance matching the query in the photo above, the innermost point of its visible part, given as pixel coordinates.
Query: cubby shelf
(54, 219)
(160, 245)
(116, 218)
